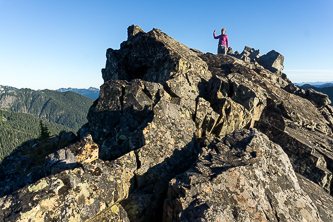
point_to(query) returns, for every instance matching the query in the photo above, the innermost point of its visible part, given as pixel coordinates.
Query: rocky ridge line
(175, 129)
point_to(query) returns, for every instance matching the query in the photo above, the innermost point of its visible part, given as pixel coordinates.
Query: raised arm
(215, 37)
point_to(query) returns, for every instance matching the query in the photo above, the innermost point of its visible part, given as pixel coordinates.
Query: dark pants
(222, 49)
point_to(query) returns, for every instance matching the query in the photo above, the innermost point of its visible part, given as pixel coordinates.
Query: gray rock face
(178, 135)
(317, 98)
(152, 56)
(244, 177)
(272, 61)
(170, 148)
(123, 107)
(6, 101)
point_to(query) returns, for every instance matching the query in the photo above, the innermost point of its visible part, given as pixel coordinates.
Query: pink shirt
(223, 39)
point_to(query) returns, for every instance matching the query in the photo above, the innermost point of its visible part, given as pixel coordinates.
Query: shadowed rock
(77, 194)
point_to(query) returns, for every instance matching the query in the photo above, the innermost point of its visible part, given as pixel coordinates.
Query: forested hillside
(66, 108)
(16, 128)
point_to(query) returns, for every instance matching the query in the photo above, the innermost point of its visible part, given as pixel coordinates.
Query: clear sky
(62, 43)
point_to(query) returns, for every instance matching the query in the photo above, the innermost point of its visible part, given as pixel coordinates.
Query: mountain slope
(66, 108)
(16, 128)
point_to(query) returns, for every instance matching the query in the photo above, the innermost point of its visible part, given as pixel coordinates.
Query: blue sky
(54, 44)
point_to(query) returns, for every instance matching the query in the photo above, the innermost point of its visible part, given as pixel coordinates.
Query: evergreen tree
(44, 131)
(16, 128)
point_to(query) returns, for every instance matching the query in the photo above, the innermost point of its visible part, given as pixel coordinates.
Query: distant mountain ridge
(4, 89)
(326, 85)
(66, 108)
(91, 92)
(316, 84)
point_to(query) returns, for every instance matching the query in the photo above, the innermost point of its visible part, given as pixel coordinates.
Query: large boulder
(272, 61)
(319, 98)
(152, 56)
(244, 177)
(219, 92)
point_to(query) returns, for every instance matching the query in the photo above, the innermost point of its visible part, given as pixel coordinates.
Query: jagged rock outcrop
(317, 98)
(272, 61)
(183, 135)
(249, 54)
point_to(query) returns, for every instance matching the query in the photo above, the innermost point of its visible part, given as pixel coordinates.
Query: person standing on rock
(223, 45)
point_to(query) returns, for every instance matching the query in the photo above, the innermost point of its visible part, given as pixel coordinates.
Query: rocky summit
(181, 135)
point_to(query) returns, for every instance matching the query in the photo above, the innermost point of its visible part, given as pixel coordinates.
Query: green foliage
(66, 108)
(58, 110)
(44, 131)
(16, 128)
